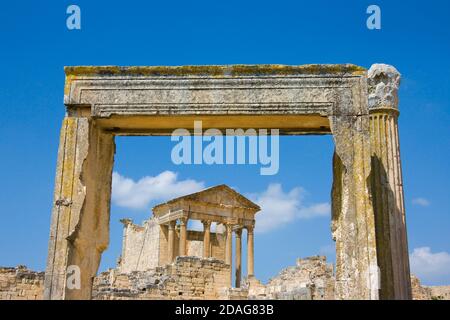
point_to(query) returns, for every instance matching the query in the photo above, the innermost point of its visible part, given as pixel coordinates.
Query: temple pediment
(221, 195)
(219, 204)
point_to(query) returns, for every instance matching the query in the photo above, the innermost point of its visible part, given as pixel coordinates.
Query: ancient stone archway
(358, 107)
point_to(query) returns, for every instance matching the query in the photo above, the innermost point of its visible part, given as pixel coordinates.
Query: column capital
(183, 221)
(383, 82)
(171, 224)
(238, 231)
(206, 223)
(250, 228)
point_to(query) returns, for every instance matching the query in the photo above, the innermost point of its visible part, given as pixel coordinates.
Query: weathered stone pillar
(171, 241)
(353, 221)
(229, 249)
(183, 236)
(387, 184)
(206, 238)
(250, 252)
(80, 217)
(238, 256)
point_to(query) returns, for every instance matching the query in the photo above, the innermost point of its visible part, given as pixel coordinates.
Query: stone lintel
(114, 94)
(172, 216)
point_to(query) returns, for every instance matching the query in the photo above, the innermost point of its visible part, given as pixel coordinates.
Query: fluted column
(250, 252)
(229, 249)
(171, 241)
(183, 231)
(206, 238)
(387, 183)
(238, 256)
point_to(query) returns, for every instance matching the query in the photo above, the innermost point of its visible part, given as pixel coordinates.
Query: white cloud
(279, 208)
(431, 268)
(139, 194)
(316, 210)
(421, 202)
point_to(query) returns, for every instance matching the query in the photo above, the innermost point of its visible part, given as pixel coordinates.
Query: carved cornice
(335, 90)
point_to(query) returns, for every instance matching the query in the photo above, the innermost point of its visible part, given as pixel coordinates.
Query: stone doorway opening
(303, 199)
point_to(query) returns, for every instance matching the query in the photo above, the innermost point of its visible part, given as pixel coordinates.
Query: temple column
(387, 184)
(238, 256)
(229, 249)
(250, 252)
(171, 242)
(183, 231)
(206, 238)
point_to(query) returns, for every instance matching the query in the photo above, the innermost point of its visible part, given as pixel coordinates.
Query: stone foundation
(193, 278)
(189, 278)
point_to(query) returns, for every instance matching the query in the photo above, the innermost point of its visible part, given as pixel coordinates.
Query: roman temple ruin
(164, 236)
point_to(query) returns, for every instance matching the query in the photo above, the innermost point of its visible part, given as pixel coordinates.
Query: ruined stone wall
(439, 292)
(195, 244)
(21, 284)
(197, 278)
(140, 246)
(311, 279)
(419, 292)
(146, 247)
(187, 278)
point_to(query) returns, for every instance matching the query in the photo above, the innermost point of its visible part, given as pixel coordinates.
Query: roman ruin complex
(358, 107)
(197, 278)
(163, 259)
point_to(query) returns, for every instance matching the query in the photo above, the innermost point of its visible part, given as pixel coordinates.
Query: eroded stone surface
(387, 183)
(384, 82)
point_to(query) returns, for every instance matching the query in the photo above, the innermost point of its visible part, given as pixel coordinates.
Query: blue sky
(35, 45)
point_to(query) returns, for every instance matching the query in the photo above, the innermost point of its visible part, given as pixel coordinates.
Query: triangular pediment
(221, 195)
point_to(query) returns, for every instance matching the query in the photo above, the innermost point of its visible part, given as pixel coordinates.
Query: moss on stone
(226, 70)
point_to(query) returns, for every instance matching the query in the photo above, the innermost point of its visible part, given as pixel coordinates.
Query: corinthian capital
(383, 82)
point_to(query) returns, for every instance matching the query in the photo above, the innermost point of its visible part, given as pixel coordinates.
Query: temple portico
(219, 205)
